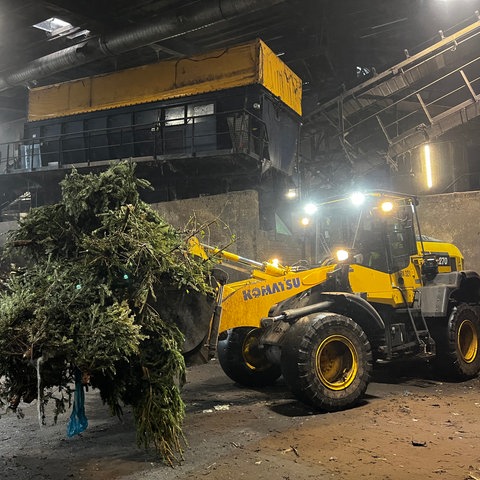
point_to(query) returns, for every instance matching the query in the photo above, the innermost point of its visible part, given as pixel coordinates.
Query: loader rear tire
(458, 355)
(244, 361)
(327, 361)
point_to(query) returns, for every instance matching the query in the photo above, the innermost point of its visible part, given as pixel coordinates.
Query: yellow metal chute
(247, 64)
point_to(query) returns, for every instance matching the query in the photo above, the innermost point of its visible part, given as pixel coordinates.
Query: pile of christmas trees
(90, 303)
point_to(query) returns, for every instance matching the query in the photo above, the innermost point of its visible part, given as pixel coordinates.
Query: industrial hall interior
(239, 239)
(286, 98)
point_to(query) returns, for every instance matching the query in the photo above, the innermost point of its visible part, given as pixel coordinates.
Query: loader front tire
(243, 359)
(327, 361)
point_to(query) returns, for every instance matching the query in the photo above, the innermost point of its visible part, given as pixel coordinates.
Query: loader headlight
(275, 262)
(342, 255)
(386, 207)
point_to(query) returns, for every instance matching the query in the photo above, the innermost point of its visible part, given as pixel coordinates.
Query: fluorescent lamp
(428, 166)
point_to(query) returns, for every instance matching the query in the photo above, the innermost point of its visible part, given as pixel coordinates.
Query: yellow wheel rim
(336, 362)
(253, 355)
(467, 341)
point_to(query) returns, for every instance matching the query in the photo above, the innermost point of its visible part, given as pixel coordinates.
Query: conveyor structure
(411, 103)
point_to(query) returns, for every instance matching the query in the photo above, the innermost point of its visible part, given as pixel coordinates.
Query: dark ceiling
(322, 41)
(332, 45)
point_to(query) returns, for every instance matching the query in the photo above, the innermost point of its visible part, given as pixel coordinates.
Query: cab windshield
(379, 234)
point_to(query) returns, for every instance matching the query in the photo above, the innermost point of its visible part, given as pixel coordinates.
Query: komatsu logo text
(276, 287)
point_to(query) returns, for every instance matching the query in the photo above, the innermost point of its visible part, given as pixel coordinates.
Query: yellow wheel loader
(382, 292)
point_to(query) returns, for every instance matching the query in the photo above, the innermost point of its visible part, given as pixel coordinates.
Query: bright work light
(310, 208)
(357, 198)
(342, 255)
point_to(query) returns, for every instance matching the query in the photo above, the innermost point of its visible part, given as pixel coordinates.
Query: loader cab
(375, 230)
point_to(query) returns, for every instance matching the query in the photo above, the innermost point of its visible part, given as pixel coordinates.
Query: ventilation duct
(173, 23)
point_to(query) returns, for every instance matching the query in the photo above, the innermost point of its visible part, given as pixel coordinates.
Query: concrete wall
(455, 218)
(232, 214)
(452, 217)
(220, 217)
(230, 221)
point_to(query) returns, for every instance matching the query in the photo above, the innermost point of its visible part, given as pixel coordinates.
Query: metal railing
(237, 131)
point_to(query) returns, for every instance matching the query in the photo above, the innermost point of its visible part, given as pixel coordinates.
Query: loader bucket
(191, 313)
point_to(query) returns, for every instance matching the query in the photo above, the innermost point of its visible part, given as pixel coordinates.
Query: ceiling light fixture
(52, 24)
(56, 27)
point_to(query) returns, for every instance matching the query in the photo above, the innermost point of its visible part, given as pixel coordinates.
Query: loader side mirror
(429, 268)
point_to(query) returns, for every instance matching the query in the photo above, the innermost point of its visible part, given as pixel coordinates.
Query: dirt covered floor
(410, 426)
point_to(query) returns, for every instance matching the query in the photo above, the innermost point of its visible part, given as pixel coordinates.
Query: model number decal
(276, 287)
(443, 260)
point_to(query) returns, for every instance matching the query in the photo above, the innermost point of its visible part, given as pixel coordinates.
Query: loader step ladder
(422, 334)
